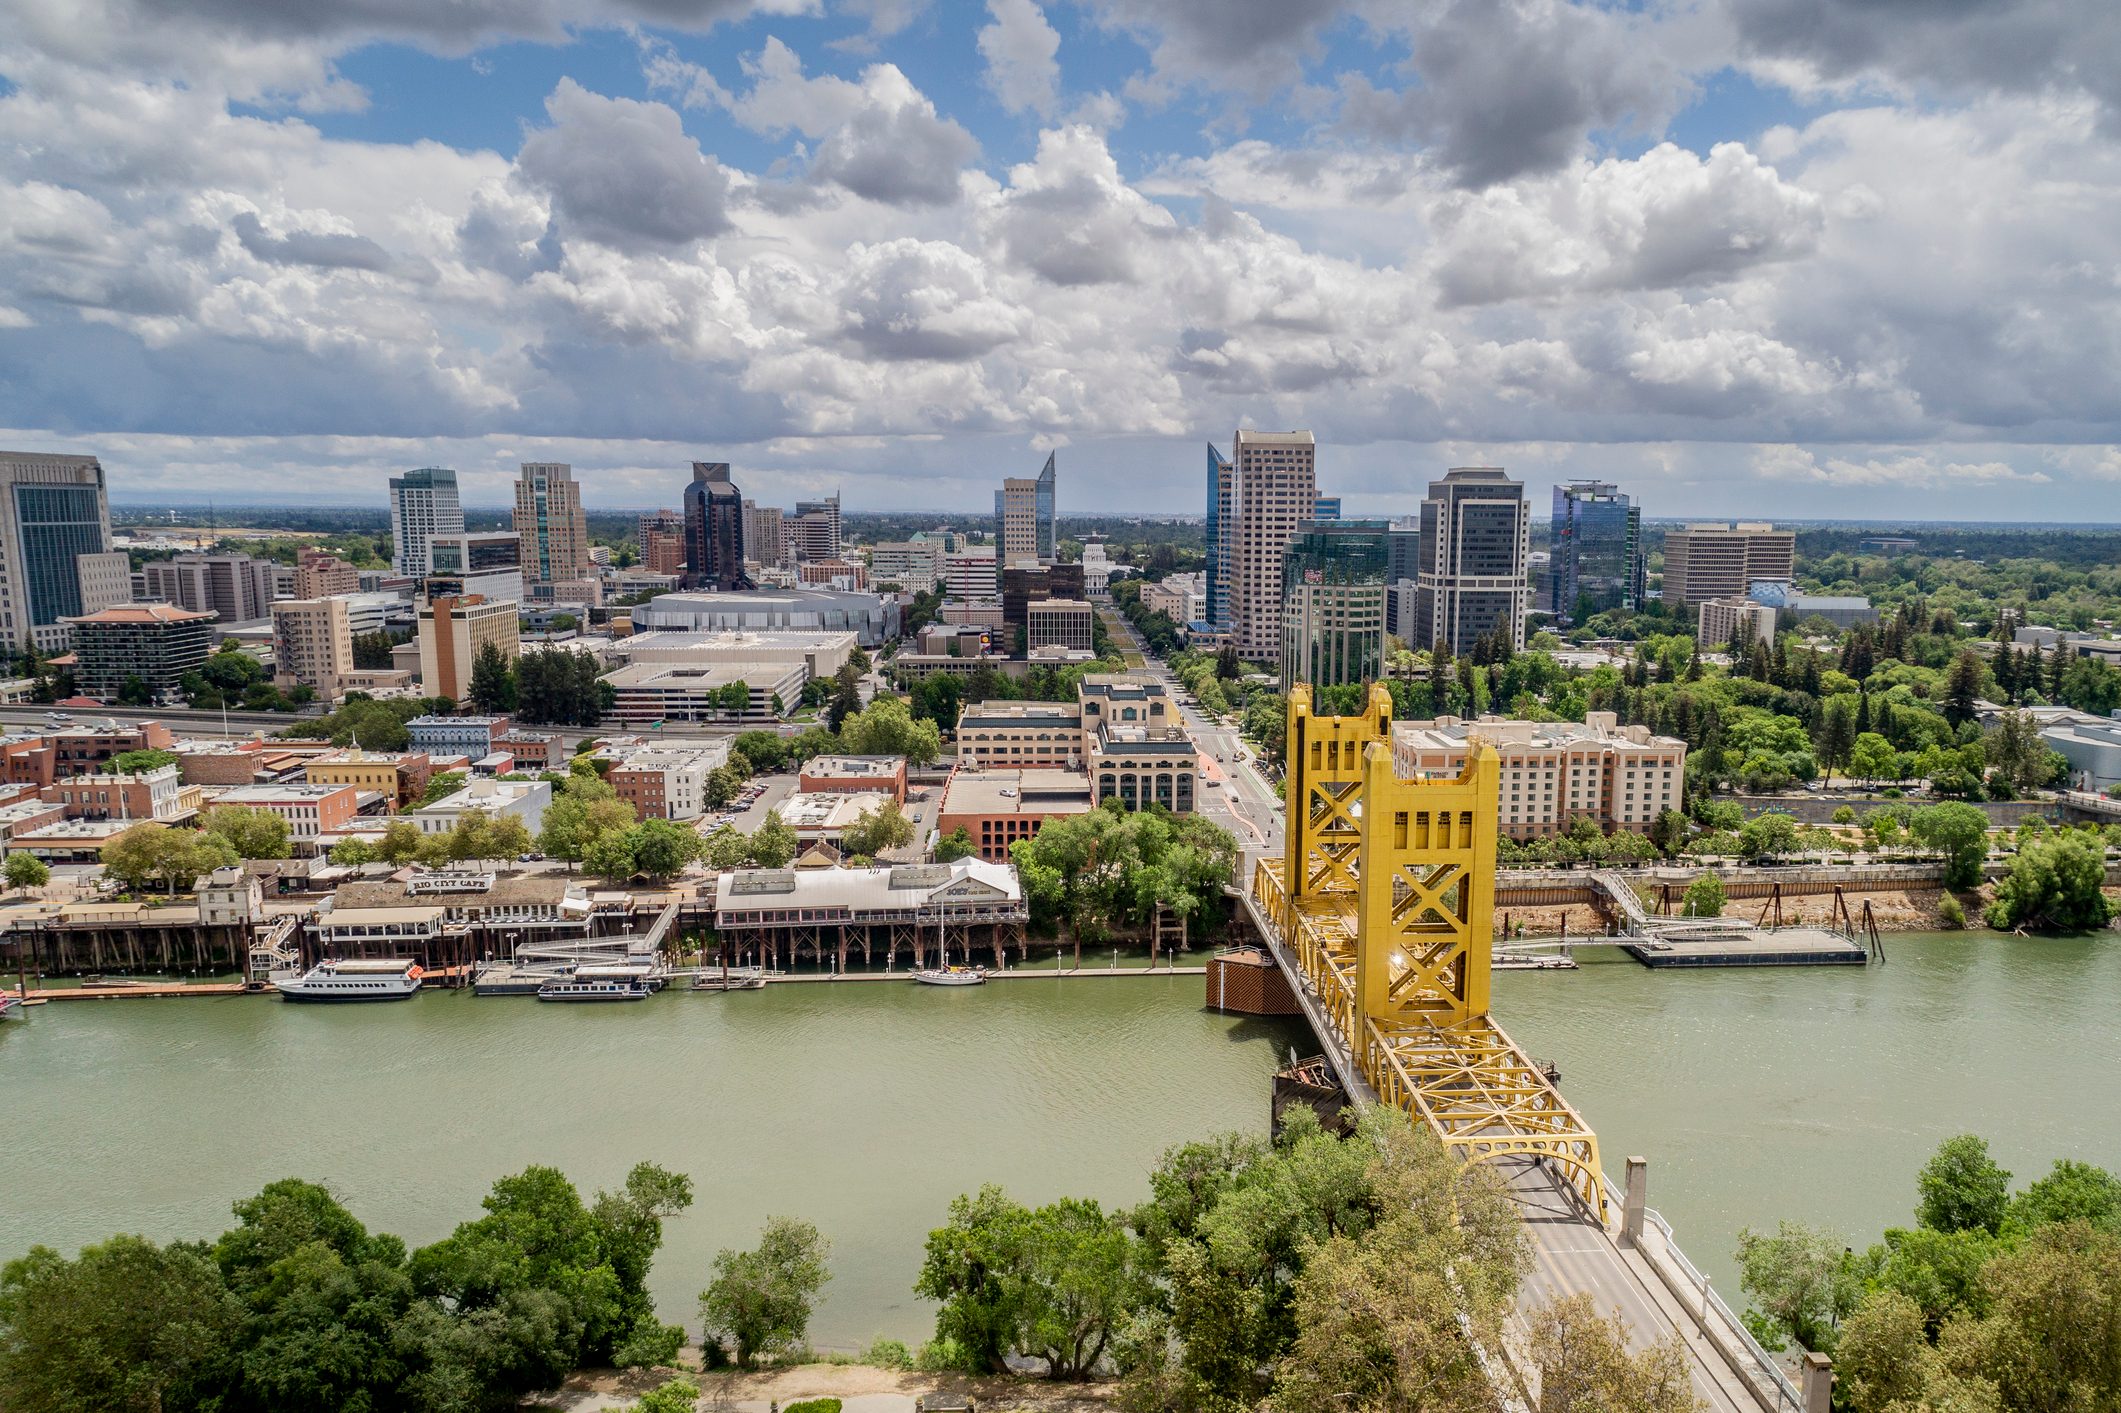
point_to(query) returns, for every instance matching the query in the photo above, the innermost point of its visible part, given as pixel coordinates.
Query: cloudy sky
(1796, 257)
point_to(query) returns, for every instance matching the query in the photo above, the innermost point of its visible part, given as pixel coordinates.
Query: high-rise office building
(1263, 492)
(312, 646)
(813, 532)
(1333, 604)
(662, 537)
(1215, 604)
(488, 563)
(153, 644)
(714, 529)
(1598, 559)
(423, 504)
(1475, 536)
(549, 521)
(1703, 562)
(238, 587)
(765, 535)
(319, 574)
(1026, 527)
(1402, 563)
(453, 630)
(1327, 508)
(54, 530)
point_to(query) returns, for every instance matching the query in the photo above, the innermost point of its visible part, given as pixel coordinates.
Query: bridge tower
(1386, 897)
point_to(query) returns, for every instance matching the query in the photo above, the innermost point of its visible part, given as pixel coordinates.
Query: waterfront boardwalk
(148, 990)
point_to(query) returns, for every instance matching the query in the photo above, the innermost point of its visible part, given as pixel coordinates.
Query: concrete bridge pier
(1634, 1199)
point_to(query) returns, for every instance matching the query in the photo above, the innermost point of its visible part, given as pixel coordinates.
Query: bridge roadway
(1572, 1251)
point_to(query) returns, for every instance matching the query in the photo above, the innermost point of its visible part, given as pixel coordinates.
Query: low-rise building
(1182, 598)
(820, 654)
(308, 809)
(971, 907)
(533, 750)
(873, 620)
(648, 692)
(1792, 607)
(1623, 777)
(825, 818)
(133, 796)
(842, 574)
(665, 782)
(399, 776)
(2091, 744)
(521, 799)
(1135, 745)
(230, 897)
(1020, 734)
(469, 736)
(913, 565)
(998, 807)
(42, 757)
(854, 775)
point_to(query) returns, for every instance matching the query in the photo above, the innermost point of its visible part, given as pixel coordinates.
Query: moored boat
(360, 979)
(11, 1006)
(594, 989)
(950, 976)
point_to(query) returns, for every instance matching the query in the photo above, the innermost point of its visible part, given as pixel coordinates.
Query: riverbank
(864, 1388)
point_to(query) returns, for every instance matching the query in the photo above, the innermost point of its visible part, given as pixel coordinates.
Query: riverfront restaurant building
(961, 911)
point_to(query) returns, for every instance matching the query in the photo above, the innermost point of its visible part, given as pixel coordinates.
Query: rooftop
(804, 811)
(1032, 791)
(1020, 714)
(1601, 728)
(142, 613)
(900, 886)
(876, 766)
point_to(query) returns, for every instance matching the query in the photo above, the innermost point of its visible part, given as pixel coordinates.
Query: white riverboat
(360, 979)
(950, 976)
(579, 988)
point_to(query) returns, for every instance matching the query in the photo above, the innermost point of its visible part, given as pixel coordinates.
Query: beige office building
(1058, 623)
(312, 645)
(452, 630)
(1703, 562)
(550, 523)
(1552, 771)
(1267, 488)
(1723, 619)
(765, 535)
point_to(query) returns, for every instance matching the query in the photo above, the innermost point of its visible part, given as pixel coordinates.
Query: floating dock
(1746, 947)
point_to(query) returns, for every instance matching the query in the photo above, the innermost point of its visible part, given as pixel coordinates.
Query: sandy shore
(862, 1388)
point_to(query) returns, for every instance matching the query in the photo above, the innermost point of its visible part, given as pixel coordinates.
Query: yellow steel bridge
(1385, 899)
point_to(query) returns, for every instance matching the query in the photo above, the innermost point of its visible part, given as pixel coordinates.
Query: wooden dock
(150, 991)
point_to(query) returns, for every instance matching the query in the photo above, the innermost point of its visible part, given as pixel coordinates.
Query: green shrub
(1845, 814)
(944, 1356)
(1704, 897)
(814, 1405)
(1950, 913)
(888, 1354)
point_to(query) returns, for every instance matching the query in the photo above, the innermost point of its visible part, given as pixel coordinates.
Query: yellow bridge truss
(1385, 896)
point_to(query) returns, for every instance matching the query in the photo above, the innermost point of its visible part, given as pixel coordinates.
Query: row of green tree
(299, 1306)
(1993, 1302)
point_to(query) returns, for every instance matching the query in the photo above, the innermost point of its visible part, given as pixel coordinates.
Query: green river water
(866, 1106)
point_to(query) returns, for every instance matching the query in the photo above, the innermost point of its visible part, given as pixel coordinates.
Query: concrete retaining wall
(1819, 809)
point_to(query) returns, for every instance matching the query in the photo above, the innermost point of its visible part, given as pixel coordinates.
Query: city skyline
(1701, 249)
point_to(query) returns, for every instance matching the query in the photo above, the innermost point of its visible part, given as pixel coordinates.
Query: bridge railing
(1767, 1373)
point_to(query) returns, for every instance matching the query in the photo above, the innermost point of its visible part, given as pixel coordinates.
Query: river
(864, 1107)
(1756, 1095)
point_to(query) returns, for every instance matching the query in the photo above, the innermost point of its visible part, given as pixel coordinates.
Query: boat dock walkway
(137, 991)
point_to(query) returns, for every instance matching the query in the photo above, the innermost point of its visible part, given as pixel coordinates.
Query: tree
(1799, 1285)
(874, 831)
(2071, 1192)
(1873, 758)
(1961, 1188)
(493, 680)
(887, 728)
(1585, 1365)
(1960, 833)
(1053, 1284)
(773, 843)
(155, 853)
(440, 787)
(125, 1325)
(27, 871)
(1704, 897)
(955, 845)
(400, 843)
(2053, 886)
(610, 855)
(661, 849)
(352, 853)
(761, 1300)
(1962, 688)
(670, 1396)
(251, 833)
(1768, 836)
